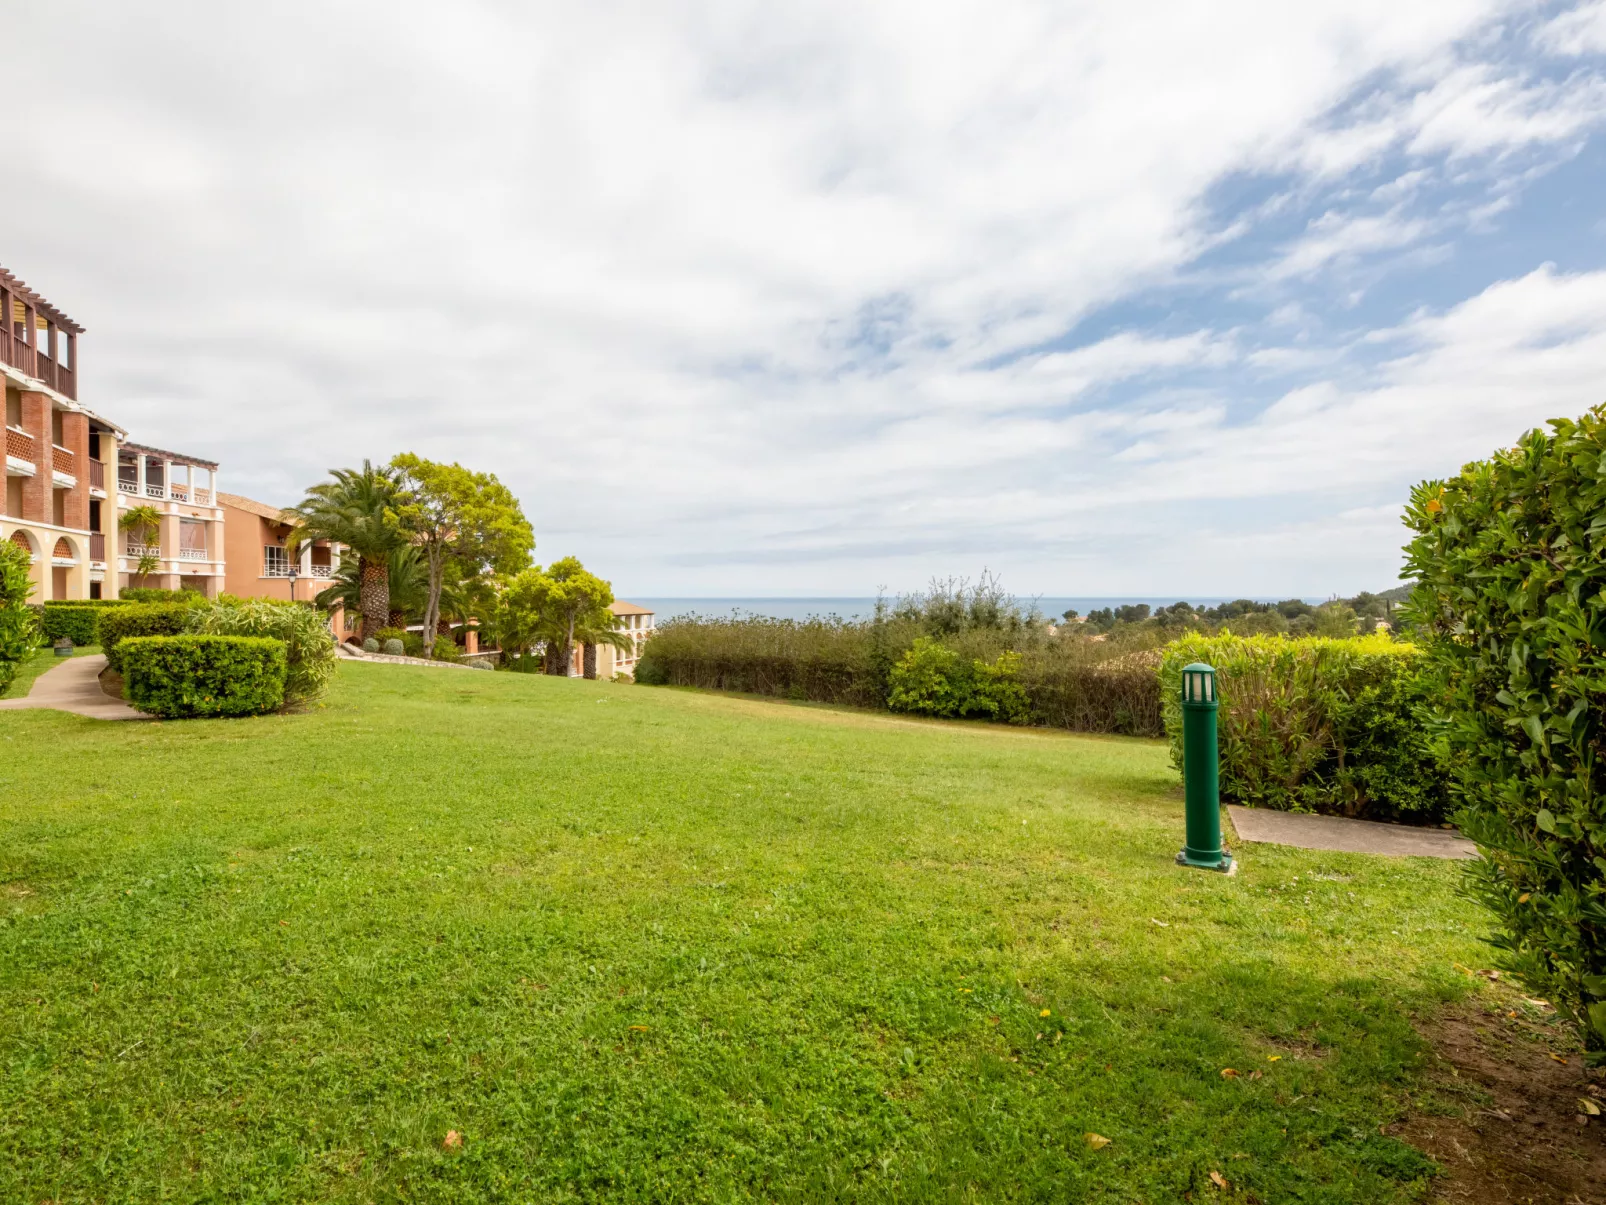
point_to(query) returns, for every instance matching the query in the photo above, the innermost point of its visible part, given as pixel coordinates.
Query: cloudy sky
(1112, 297)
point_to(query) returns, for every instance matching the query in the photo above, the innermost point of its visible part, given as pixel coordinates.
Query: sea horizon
(666, 607)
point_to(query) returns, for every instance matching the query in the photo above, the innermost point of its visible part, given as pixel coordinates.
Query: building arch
(23, 541)
(63, 550)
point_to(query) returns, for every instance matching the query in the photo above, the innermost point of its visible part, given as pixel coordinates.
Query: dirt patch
(111, 683)
(1503, 1119)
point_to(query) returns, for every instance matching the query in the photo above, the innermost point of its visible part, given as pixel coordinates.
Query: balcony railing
(20, 445)
(125, 486)
(97, 546)
(155, 489)
(140, 550)
(97, 475)
(192, 554)
(321, 571)
(178, 493)
(201, 497)
(62, 461)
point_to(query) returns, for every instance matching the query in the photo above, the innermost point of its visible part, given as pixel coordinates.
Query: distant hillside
(1398, 594)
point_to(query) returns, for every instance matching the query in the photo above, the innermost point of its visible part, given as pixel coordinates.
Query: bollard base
(1223, 865)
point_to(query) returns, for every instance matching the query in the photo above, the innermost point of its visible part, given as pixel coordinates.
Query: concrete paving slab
(74, 686)
(1302, 831)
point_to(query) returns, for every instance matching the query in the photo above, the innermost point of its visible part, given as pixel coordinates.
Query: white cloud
(714, 285)
(1578, 32)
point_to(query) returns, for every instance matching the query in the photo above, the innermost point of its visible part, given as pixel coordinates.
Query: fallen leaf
(1228, 1073)
(1524, 898)
(1219, 1180)
(992, 1020)
(1161, 923)
(1045, 1012)
(1256, 1074)
(1557, 1057)
(1272, 1058)
(1097, 1141)
(285, 923)
(639, 1028)
(1585, 1105)
(454, 1140)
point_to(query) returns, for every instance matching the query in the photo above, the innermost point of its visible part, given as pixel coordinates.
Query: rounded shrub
(1510, 604)
(370, 645)
(395, 648)
(19, 629)
(117, 624)
(309, 646)
(188, 677)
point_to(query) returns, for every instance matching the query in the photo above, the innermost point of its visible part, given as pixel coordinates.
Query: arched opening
(21, 540)
(63, 550)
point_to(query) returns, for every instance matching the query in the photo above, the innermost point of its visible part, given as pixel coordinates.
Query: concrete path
(74, 686)
(1350, 836)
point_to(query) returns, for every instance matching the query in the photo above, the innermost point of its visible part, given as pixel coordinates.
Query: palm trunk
(374, 593)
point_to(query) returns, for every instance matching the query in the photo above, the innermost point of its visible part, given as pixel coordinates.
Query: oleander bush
(1315, 724)
(19, 627)
(192, 677)
(117, 624)
(1510, 605)
(309, 646)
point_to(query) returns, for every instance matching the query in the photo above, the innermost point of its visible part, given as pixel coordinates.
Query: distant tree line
(1246, 617)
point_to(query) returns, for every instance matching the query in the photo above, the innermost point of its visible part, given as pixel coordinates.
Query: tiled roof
(175, 457)
(619, 607)
(251, 506)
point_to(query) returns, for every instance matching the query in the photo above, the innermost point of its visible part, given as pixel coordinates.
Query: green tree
(19, 631)
(144, 523)
(404, 576)
(1509, 560)
(1334, 619)
(455, 514)
(559, 608)
(357, 509)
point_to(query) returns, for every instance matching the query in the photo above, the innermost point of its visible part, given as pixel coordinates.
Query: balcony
(97, 547)
(36, 338)
(192, 554)
(127, 485)
(97, 476)
(143, 550)
(20, 446)
(178, 493)
(61, 460)
(155, 489)
(322, 571)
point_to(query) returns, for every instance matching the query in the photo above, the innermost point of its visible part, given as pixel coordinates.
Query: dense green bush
(370, 645)
(412, 644)
(1316, 724)
(1510, 603)
(187, 677)
(141, 619)
(19, 629)
(933, 679)
(393, 648)
(1084, 685)
(87, 602)
(74, 623)
(150, 594)
(309, 647)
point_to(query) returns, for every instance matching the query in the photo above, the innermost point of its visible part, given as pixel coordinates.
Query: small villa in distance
(604, 661)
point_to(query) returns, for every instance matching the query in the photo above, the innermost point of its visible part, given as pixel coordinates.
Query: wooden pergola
(38, 339)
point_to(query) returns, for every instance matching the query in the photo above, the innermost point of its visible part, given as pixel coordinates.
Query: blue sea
(864, 608)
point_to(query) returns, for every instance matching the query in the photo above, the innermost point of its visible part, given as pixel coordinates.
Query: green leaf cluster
(933, 679)
(557, 608)
(1315, 724)
(19, 629)
(192, 677)
(1510, 562)
(72, 623)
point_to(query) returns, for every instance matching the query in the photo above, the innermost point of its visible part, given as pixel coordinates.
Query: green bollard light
(1200, 781)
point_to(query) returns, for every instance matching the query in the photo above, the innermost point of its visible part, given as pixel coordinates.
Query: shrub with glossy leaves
(117, 624)
(193, 677)
(1510, 603)
(1315, 725)
(309, 646)
(933, 679)
(19, 630)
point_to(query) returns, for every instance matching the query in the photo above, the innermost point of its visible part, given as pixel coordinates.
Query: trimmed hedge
(151, 594)
(1315, 725)
(141, 619)
(186, 677)
(309, 648)
(1510, 563)
(75, 623)
(87, 602)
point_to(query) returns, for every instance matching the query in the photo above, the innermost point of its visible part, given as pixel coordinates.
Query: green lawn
(644, 944)
(42, 660)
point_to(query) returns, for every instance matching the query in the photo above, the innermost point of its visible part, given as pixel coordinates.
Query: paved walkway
(74, 686)
(1350, 836)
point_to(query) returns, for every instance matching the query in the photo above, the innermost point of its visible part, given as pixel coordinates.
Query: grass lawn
(645, 944)
(42, 660)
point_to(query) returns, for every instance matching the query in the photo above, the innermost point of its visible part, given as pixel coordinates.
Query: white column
(167, 478)
(140, 476)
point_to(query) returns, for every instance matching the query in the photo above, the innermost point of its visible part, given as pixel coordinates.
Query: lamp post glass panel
(1200, 777)
(292, 581)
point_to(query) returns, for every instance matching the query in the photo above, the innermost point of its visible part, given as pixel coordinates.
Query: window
(192, 540)
(274, 561)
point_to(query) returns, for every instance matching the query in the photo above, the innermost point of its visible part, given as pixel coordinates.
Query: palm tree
(404, 574)
(143, 523)
(356, 509)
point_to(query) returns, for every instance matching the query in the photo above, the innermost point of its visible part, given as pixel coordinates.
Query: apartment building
(57, 451)
(260, 563)
(188, 548)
